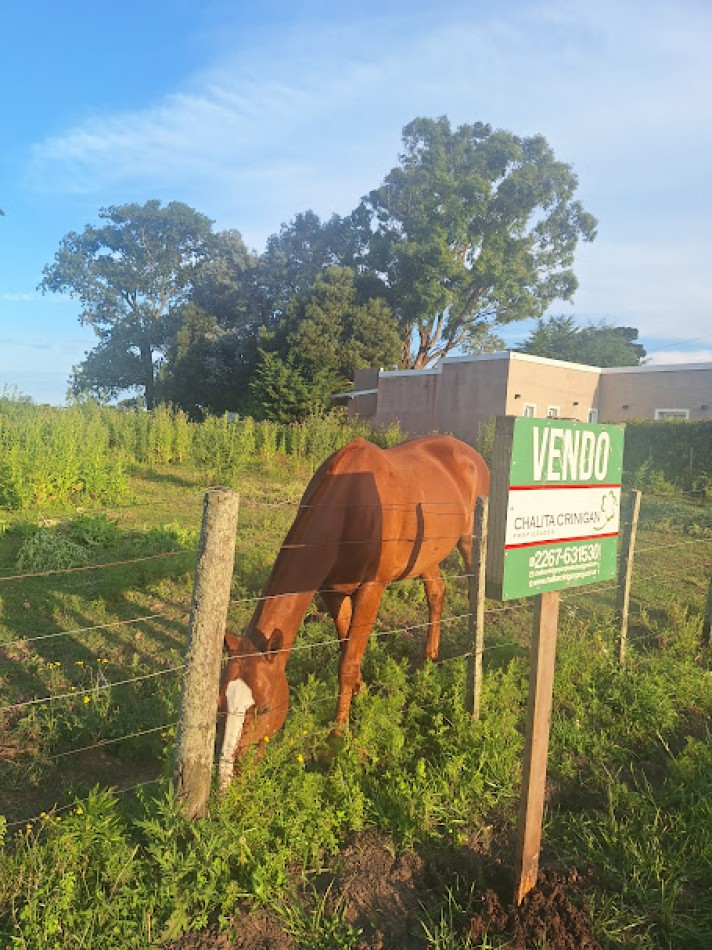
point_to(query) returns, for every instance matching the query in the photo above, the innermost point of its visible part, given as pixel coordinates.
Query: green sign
(554, 505)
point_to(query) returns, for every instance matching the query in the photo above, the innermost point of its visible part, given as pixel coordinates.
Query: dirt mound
(381, 893)
(385, 895)
(547, 917)
(255, 930)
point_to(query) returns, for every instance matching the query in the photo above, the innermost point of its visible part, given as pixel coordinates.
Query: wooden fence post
(477, 604)
(707, 619)
(195, 742)
(625, 574)
(536, 747)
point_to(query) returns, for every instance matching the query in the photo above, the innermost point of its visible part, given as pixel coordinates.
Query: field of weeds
(401, 836)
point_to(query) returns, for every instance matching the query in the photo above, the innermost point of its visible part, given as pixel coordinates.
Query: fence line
(94, 567)
(69, 633)
(98, 687)
(589, 591)
(321, 700)
(237, 601)
(677, 544)
(296, 503)
(113, 741)
(44, 816)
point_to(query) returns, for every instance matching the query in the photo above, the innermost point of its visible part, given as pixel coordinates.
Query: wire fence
(460, 619)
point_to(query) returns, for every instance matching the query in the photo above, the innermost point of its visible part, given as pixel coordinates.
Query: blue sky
(253, 112)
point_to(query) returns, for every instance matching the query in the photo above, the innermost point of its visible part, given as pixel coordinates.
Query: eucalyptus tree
(474, 228)
(127, 273)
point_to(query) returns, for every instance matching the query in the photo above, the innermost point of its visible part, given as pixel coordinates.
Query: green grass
(630, 762)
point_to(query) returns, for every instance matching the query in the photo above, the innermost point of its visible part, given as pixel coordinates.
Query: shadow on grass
(78, 636)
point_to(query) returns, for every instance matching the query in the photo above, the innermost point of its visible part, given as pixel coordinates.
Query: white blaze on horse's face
(238, 699)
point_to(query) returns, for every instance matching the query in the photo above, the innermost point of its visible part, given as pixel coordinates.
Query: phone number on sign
(566, 556)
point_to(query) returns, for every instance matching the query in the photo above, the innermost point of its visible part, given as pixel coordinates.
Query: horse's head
(254, 695)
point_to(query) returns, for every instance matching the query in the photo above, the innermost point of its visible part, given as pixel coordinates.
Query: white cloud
(311, 118)
(19, 297)
(308, 107)
(681, 356)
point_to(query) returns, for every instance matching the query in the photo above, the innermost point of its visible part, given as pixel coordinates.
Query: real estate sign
(554, 505)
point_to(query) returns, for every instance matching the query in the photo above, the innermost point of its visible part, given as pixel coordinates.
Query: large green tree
(597, 344)
(475, 227)
(211, 348)
(326, 333)
(295, 257)
(127, 273)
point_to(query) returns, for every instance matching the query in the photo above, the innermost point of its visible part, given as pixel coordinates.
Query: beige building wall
(461, 393)
(551, 388)
(470, 392)
(643, 391)
(408, 397)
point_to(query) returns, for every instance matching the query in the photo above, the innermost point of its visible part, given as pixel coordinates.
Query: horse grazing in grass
(369, 516)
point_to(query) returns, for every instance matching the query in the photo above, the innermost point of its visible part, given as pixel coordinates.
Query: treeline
(83, 454)
(473, 228)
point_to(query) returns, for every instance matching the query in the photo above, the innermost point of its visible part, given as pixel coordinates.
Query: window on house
(664, 415)
(529, 409)
(593, 415)
(552, 412)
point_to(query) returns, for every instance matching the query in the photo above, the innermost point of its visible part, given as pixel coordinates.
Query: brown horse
(369, 516)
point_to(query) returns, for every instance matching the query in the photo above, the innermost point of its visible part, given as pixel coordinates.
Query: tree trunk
(147, 366)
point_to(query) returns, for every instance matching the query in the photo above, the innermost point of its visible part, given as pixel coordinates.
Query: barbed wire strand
(97, 688)
(114, 741)
(60, 809)
(78, 630)
(589, 591)
(93, 567)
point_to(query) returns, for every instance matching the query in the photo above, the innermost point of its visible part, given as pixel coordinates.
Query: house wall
(463, 392)
(470, 392)
(571, 387)
(409, 398)
(644, 389)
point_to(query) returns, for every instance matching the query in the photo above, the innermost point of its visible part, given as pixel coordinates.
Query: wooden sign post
(536, 749)
(554, 518)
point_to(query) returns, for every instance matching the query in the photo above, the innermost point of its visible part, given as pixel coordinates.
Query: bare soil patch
(385, 894)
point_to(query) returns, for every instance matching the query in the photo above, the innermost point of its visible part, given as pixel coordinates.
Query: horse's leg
(365, 604)
(435, 593)
(340, 609)
(464, 546)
